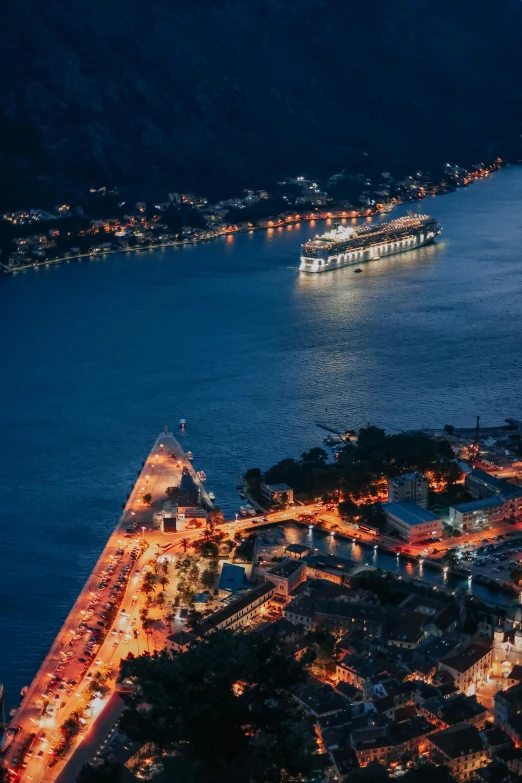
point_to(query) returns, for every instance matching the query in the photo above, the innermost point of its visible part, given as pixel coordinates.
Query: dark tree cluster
(222, 711)
(360, 468)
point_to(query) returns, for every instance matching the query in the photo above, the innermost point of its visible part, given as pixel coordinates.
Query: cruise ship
(348, 246)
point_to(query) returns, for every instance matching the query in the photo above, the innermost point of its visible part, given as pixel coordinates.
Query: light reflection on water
(366, 555)
(228, 334)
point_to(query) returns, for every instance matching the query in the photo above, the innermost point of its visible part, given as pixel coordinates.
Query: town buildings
(508, 705)
(404, 678)
(461, 748)
(287, 575)
(476, 514)
(411, 487)
(413, 523)
(482, 485)
(278, 493)
(234, 615)
(470, 666)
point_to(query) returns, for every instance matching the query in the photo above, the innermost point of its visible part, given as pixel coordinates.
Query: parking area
(495, 557)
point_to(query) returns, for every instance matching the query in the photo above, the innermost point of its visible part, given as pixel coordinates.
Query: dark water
(99, 355)
(366, 554)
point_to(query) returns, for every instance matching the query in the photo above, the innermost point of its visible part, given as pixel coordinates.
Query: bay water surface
(98, 355)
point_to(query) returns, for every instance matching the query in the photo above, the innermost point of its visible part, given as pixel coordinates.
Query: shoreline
(334, 213)
(430, 564)
(28, 713)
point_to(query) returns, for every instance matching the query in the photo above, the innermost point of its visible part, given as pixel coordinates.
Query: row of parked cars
(496, 550)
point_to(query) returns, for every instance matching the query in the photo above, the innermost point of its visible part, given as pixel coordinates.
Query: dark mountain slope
(168, 93)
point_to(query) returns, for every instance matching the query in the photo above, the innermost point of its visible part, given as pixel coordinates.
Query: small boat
(357, 270)
(211, 496)
(251, 511)
(202, 475)
(332, 440)
(243, 511)
(242, 495)
(189, 455)
(7, 739)
(182, 423)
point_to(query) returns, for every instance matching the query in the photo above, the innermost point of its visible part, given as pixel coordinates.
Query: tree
(216, 517)
(147, 627)
(147, 498)
(372, 773)
(169, 617)
(245, 551)
(184, 544)
(107, 772)
(188, 581)
(70, 727)
(372, 514)
(110, 615)
(164, 581)
(429, 773)
(160, 599)
(253, 474)
(316, 455)
(370, 436)
(325, 659)
(209, 549)
(451, 557)
(348, 509)
(228, 545)
(284, 499)
(193, 618)
(172, 493)
(147, 588)
(224, 708)
(150, 579)
(449, 428)
(207, 578)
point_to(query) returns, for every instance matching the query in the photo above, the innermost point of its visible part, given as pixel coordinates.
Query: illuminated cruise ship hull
(360, 249)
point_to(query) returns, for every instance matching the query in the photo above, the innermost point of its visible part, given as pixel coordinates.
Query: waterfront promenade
(36, 723)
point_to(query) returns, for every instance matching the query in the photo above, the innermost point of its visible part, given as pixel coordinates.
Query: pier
(173, 444)
(62, 682)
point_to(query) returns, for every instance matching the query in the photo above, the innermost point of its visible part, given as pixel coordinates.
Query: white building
(413, 523)
(411, 486)
(478, 513)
